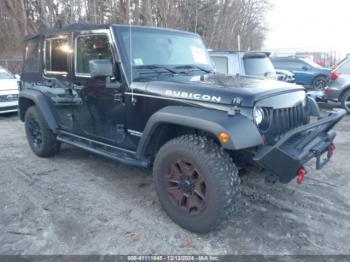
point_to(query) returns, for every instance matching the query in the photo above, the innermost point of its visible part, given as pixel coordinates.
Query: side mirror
(305, 68)
(18, 77)
(101, 68)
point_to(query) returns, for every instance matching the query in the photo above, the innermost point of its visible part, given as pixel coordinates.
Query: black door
(101, 115)
(56, 79)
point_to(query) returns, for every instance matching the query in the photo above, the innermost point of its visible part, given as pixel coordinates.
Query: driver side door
(101, 115)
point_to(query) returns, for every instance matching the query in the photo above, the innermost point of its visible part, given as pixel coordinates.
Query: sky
(320, 25)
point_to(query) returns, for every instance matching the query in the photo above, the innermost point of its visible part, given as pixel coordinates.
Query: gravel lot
(78, 203)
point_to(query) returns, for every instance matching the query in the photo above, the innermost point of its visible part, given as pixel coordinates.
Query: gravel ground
(78, 203)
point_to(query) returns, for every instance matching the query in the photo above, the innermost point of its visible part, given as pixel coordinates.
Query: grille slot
(8, 98)
(279, 121)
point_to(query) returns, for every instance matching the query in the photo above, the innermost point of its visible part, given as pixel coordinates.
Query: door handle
(118, 97)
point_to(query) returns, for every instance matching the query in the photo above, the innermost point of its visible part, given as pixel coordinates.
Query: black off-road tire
(319, 83)
(345, 101)
(222, 183)
(48, 145)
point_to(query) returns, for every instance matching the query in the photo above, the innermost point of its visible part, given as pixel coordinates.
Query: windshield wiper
(156, 67)
(208, 71)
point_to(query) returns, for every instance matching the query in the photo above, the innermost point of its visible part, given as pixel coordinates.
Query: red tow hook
(301, 175)
(331, 149)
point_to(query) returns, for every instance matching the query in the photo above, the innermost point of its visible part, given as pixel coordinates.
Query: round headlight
(258, 115)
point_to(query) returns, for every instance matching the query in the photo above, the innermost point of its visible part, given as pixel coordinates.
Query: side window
(292, 64)
(221, 64)
(32, 56)
(56, 55)
(278, 65)
(90, 47)
(300, 65)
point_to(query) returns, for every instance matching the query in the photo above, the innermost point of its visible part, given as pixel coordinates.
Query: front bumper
(8, 107)
(298, 146)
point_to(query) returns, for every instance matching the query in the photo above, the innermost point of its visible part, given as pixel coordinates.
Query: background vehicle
(8, 92)
(285, 75)
(339, 87)
(306, 72)
(160, 104)
(256, 64)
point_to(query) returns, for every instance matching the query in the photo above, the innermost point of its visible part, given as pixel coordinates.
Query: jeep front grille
(279, 121)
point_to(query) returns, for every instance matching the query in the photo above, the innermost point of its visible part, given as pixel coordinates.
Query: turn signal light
(224, 138)
(301, 175)
(331, 149)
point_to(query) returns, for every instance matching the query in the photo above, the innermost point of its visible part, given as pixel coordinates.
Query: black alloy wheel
(186, 187)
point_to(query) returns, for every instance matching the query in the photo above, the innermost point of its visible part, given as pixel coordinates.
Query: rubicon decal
(194, 96)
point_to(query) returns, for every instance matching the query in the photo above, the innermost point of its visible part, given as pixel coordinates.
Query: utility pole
(239, 42)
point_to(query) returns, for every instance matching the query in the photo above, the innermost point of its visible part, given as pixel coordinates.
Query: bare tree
(219, 22)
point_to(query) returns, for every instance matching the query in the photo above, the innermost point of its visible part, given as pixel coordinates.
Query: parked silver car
(339, 87)
(8, 91)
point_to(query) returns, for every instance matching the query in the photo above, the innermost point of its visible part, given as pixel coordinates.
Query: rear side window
(221, 64)
(90, 47)
(296, 64)
(56, 55)
(288, 64)
(32, 56)
(344, 68)
(259, 66)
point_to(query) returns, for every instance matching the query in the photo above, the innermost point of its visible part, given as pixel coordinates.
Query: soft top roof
(68, 28)
(84, 26)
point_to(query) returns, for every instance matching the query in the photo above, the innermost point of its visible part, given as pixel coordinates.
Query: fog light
(301, 175)
(307, 119)
(224, 138)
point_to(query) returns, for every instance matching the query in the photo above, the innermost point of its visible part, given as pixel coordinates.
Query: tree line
(219, 22)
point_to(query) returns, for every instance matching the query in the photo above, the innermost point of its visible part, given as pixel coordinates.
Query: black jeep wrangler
(149, 97)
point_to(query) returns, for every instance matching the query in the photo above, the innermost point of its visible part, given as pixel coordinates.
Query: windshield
(259, 66)
(163, 48)
(5, 75)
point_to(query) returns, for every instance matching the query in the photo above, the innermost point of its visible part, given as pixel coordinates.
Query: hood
(220, 89)
(285, 72)
(324, 70)
(8, 84)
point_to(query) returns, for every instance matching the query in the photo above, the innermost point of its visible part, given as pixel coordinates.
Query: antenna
(130, 56)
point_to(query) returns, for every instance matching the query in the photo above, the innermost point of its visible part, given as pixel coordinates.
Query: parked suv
(8, 92)
(256, 64)
(158, 104)
(306, 72)
(339, 87)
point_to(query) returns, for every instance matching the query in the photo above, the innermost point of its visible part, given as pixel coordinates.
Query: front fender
(243, 132)
(41, 102)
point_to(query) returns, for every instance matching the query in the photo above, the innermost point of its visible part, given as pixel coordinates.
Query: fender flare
(242, 131)
(43, 105)
(342, 93)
